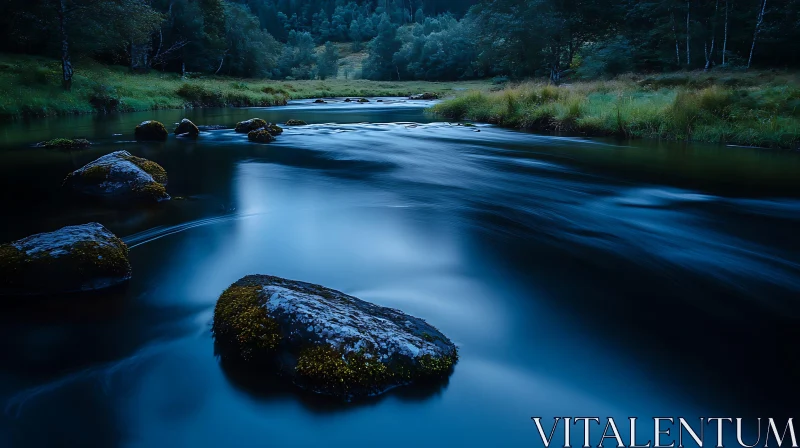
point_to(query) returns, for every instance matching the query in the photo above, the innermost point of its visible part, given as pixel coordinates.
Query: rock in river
(260, 136)
(151, 130)
(294, 122)
(243, 127)
(74, 258)
(120, 175)
(187, 127)
(326, 341)
(65, 143)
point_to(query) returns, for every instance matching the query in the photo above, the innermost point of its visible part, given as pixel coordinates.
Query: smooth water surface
(578, 277)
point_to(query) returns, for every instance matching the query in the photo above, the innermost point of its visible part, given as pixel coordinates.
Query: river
(579, 277)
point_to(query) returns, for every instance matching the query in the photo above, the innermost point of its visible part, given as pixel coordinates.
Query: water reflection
(578, 277)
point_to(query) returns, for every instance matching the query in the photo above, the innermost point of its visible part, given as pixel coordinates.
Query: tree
(379, 63)
(328, 62)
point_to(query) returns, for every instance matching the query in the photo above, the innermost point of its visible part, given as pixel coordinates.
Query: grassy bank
(30, 86)
(755, 109)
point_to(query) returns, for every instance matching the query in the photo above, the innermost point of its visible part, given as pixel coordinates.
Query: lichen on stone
(120, 175)
(240, 325)
(326, 341)
(73, 258)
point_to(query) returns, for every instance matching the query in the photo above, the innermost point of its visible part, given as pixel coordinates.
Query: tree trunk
(725, 39)
(677, 47)
(688, 36)
(66, 65)
(710, 57)
(755, 34)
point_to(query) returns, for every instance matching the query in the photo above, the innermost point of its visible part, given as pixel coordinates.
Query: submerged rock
(348, 100)
(74, 258)
(260, 136)
(363, 100)
(65, 143)
(120, 175)
(326, 341)
(187, 127)
(151, 130)
(295, 123)
(252, 124)
(424, 96)
(320, 101)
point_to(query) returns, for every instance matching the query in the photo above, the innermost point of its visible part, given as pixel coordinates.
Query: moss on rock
(151, 130)
(274, 129)
(293, 122)
(73, 258)
(65, 143)
(187, 127)
(260, 136)
(325, 341)
(120, 175)
(243, 127)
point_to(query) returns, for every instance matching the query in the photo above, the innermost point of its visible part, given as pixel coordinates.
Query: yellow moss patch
(153, 190)
(242, 324)
(148, 166)
(92, 259)
(97, 173)
(328, 370)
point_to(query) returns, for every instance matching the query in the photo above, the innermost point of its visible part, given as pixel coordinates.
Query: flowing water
(579, 277)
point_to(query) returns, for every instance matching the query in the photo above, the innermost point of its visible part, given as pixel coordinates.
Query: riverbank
(30, 87)
(753, 108)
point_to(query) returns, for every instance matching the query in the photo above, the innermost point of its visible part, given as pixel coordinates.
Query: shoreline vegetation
(30, 87)
(747, 108)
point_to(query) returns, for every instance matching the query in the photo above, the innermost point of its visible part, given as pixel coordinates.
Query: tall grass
(30, 86)
(755, 109)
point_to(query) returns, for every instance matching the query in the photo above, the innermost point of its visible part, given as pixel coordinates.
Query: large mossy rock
(274, 129)
(326, 341)
(74, 258)
(252, 124)
(151, 130)
(120, 175)
(187, 127)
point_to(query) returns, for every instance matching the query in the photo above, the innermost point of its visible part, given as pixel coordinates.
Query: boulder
(295, 123)
(187, 127)
(260, 136)
(252, 124)
(363, 100)
(326, 341)
(74, 258)
(65, 143)
(348, 100)
(274, 129)
(424, 96)
(120, 175)
(320, 101)
(151, 130)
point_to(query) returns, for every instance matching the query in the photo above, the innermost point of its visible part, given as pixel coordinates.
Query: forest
(406, 39)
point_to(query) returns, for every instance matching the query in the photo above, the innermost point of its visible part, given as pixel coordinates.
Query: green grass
(30, 86)
(753, 108)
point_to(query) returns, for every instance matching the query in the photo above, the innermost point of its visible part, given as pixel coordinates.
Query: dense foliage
(407, 39)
